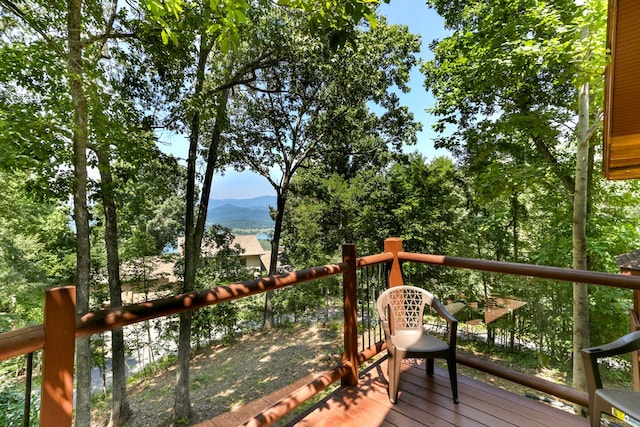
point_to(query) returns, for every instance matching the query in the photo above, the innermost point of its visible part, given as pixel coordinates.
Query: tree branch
(262, 90)
(593, 129)
(251, 67)
(107, 36)
(543, 150)
(15, 10)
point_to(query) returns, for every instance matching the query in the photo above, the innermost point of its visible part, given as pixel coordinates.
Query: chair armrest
(591, 373)
(590, 356)
(442, 311)
(625, 344)
(452, 321)
(388, 338)
(386, 328)
(453, 333)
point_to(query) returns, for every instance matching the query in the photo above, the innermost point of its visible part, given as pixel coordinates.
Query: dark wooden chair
(401, 309)
(618, 403)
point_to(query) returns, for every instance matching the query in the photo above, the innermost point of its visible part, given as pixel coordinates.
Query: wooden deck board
(427, 401)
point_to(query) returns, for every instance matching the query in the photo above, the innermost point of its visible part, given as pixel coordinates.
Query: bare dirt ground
(224, 378)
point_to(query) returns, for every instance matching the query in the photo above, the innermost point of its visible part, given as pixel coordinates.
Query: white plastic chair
(618, 403)
(401, 309)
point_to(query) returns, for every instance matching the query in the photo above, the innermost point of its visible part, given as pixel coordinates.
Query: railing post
(394, 245)
(350, 297)
(57, 361)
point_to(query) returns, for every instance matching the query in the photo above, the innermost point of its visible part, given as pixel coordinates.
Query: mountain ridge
(254, 202)
(252, 213)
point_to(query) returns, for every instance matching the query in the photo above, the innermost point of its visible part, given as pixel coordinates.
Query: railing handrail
(30, 339)
(21, 341)
(539, 271)
(107, 319)
(369, 260)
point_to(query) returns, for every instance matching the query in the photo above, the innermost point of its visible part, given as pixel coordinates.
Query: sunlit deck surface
(426, 401)
(422, 401)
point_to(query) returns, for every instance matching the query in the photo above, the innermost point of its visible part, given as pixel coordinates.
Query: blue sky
(429, 25)
(420, 20)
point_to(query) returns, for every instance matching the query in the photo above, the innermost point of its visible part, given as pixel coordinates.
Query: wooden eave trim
(608, 86)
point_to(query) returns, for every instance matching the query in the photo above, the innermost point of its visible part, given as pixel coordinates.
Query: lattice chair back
(403, 307)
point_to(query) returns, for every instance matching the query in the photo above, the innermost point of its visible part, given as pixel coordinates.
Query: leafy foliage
(36, 250)
(12, 407)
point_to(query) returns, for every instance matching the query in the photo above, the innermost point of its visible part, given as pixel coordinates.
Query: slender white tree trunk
(581, 333)
(80, 209)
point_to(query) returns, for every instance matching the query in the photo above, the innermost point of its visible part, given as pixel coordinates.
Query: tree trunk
(182, 403)
(581, 335)
(268, 321)
(194, 226)
(515, 206)
(193, 238)
(120, 411)
(80, 209)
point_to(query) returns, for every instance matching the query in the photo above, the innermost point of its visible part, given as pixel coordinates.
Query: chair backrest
(403, 306)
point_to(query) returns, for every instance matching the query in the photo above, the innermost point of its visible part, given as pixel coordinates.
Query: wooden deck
(427, 401)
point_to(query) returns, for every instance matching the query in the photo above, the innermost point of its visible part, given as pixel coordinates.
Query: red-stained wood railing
(57, 336)
(61, 328)
(21, 341)
(104, 320)
(543, 272)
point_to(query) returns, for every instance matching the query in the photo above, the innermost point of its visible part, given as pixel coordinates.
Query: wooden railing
(61, 327)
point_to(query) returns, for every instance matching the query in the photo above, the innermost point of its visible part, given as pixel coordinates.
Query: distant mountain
(256, 202)
(241, 213)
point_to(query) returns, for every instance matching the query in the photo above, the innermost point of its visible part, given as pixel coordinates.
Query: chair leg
(453, 377)
(394, 363)
(594, 418)
(391, 373)
(596, 410)
(430, 366)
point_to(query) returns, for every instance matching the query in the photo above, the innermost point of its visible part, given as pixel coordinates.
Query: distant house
(251, 256)
(147, 271)
(145, 278)
(283, 264)
(154, 272)
(629, 263)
